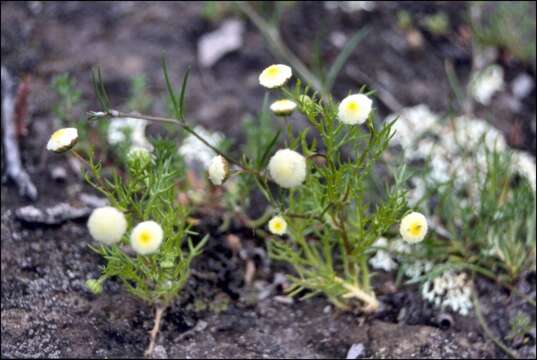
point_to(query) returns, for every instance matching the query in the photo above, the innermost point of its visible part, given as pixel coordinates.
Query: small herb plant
(491, 232)
(143, 235)
(321, 198)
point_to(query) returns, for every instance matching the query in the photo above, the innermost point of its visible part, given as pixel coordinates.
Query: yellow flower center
(58, 135)
(145, 238)
(352, 106)
(415, 229)
(278, 226)
(272, 71)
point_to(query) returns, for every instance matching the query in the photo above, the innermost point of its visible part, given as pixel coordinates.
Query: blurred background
(406, 52)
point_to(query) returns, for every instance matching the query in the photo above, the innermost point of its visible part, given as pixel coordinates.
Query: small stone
(159, 352)
(93, 201)
(284, 299)
(522, 85)
(355, 351)
(214, 45)
(58, 173)
(338, 39)
(200, 326)
(51, 216)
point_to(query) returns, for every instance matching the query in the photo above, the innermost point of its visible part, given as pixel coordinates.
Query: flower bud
(283, 107)
(275, 76)
(63, 140)
(218, 170)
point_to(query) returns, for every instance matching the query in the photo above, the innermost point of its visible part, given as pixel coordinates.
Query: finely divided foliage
(326, 220)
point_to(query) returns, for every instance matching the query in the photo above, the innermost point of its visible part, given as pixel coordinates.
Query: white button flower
(218, 170)
(107, 225)
(283, 107)
(413, 227)
(354, 109)
(146, 237)
(62, 140)
(287, 168)
(275, 76)
(277, 225)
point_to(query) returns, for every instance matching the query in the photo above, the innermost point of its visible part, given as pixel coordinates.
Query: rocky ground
(46, 310)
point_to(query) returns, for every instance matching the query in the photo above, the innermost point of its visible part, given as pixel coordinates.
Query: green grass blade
(342, 58)
(176, 108)
(182, 95)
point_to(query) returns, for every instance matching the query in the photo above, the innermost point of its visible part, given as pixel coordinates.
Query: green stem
(365, 273)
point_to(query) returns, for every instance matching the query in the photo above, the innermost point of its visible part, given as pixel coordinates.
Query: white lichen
(128, 130)
(449, 290)
(382, 259)
(195, 152)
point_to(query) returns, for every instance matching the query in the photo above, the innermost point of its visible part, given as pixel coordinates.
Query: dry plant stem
(14, 169)
(370, 301)
(159, 310)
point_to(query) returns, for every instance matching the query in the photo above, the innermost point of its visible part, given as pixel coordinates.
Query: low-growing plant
(143, 236)
(489, 224)
(321, 195)
(317, 186)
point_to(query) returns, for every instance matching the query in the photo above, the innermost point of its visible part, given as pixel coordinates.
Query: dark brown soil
(46, 310)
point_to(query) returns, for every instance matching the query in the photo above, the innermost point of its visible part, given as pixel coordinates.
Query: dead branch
(14, 169)
(21, 107)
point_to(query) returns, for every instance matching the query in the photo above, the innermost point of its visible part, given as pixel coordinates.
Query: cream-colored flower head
(146, 237)
(287, 168)
(277, 225)
(107, 225)
(62, 140)
(283, 107)
(218, 170)
(354, 109)
(413, 227)
(275, 76)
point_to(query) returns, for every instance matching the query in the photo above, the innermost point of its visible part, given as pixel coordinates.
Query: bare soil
(46, 310)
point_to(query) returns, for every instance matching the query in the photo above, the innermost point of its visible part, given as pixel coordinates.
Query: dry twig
(14, 169)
